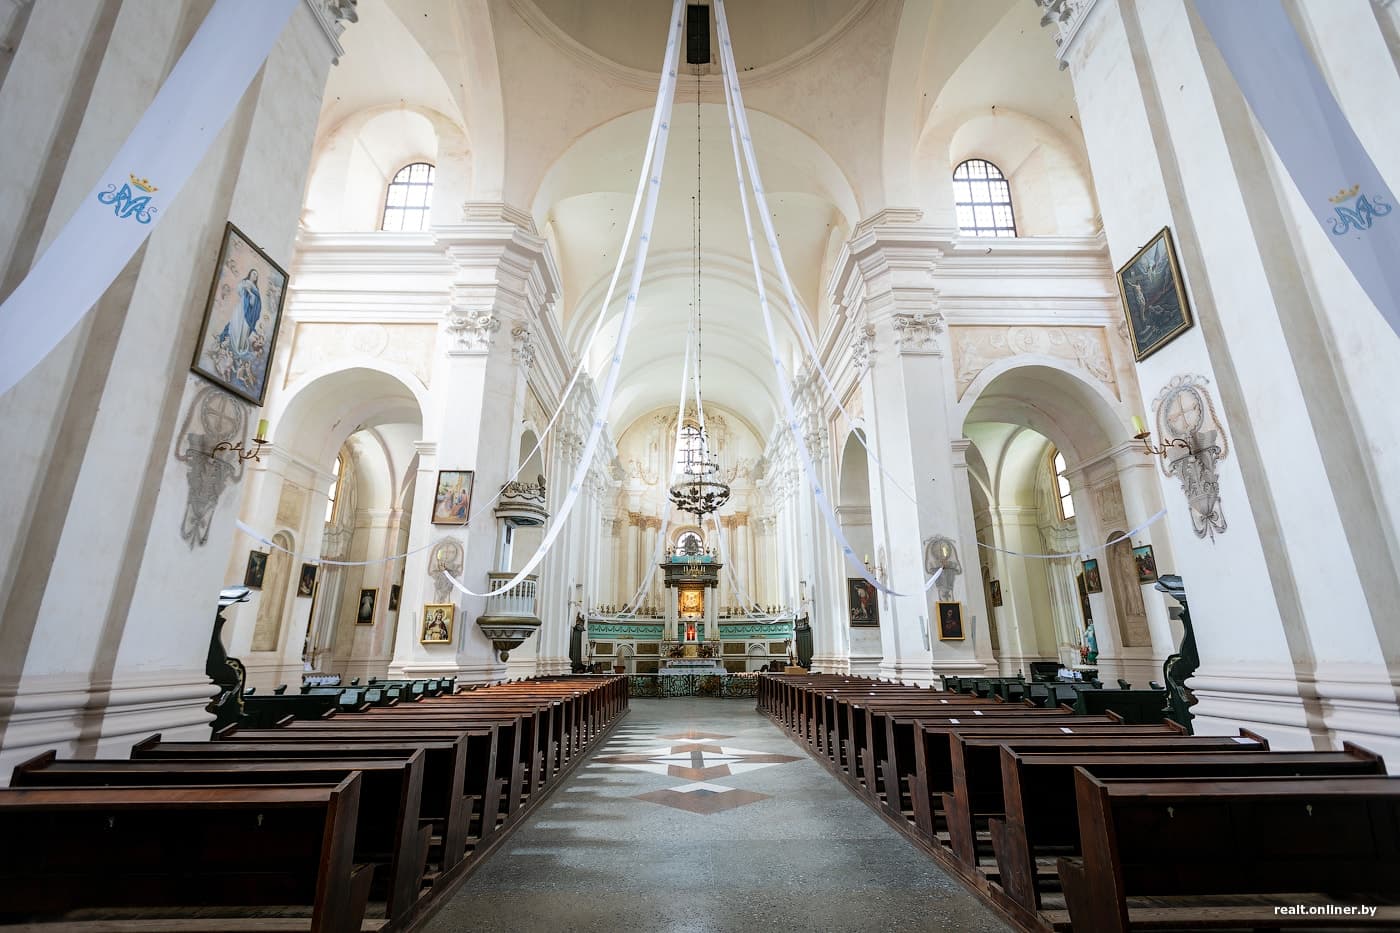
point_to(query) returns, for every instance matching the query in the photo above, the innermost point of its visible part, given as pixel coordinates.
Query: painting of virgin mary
(241, 318)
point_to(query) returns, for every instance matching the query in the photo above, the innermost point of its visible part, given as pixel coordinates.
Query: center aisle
(699, 815)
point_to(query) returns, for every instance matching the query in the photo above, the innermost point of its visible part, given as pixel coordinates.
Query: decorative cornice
(332, 16)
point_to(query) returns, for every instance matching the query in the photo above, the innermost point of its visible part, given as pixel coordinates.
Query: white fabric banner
(112, 222)
(738, 126)
(1312, 137)
(651, 179)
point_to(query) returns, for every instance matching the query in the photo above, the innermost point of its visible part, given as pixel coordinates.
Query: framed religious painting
(1154, 299)
(364, 615)
(307, 581)
(437, 623)
(996, 592)
(241, 318)
(862, 602)
(950, 622)
(1146, 564)
(453, 502)
(394, 598)
(257, 566)
(1093, 582)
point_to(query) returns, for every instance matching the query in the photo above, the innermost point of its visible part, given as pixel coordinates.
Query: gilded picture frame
(1153, 296)
(242, 316)
(862, 602)
(452, 501)
(437, 624)
(950, 621)
(364, 614)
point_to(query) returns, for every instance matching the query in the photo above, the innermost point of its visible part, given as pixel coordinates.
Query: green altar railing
(692, 685)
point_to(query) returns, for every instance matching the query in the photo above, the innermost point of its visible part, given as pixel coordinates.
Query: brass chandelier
(701, 488)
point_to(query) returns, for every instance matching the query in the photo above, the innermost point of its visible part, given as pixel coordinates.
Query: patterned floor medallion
(699, 763)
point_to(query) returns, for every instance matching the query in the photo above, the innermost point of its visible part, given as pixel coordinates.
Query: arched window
(983, 199)
(409, 199)
(334, 492)
(1061, 485)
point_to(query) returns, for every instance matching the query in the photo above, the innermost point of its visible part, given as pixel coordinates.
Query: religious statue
(1091, 643)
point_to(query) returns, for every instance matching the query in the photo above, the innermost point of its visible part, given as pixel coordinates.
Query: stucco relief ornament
(863, 350)
(471, 331)
(522, 351)
(917, 332)
(447, 555)
(214, 417)
(1194, 444)
(940, 553)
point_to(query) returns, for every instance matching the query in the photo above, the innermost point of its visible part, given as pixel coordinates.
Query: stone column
(503, 278)
(105, 541)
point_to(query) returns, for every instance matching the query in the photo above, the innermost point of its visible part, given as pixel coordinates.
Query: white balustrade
(516, 602)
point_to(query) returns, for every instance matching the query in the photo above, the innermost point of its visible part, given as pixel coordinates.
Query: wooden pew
(976, 792)
(933, 756)
(1337, 837)
(1041, 817)
(444, 773)
(388, 831)
(1137, 706)
(178, 848)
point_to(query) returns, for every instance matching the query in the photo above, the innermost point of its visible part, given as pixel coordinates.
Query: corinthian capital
(917, 332)
(470, 330)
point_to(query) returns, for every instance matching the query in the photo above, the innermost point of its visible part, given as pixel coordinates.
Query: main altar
(691, 643)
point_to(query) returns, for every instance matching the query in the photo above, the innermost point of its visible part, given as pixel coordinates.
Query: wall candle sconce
(876, 570)
(259, 442)
(1148, 448)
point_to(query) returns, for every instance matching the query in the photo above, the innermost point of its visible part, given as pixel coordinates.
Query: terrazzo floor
(701, 816)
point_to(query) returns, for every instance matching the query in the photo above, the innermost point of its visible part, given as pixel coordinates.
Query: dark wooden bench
(446, 763)
(176, 850)
(1290, 837)
(388, 832)
(1138, 706)
(976, 793)
(1041, 817)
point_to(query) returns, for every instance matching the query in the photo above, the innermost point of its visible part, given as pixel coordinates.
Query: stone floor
(700, 816)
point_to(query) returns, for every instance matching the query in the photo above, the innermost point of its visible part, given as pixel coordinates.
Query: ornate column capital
(863, 350)
(332, 16)
(916, 332)
(470, 331)
(522, 350)
(1068, 18)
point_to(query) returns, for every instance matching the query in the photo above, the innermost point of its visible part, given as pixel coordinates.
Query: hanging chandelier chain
(703, 490)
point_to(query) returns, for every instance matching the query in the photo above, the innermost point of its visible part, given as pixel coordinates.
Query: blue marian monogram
(126, 203)
(1360, 215)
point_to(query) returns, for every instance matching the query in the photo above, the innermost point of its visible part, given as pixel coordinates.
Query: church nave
(737, 829)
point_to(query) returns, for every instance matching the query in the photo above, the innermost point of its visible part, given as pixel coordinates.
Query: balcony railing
(516, 602)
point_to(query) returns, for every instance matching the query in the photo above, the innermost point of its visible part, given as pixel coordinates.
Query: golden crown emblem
(1346, 194)
(144, 184)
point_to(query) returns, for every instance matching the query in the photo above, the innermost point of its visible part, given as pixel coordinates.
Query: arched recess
(853, 513)
(277, 582)
(1016, 412)
(1130, 609)
(756, 658)
(370, 417)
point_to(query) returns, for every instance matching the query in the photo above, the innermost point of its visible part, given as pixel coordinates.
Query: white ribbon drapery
(635, 603)
(650, 178)
(738, 125)
(1317, 145)
(144, 177)
(1087, 551)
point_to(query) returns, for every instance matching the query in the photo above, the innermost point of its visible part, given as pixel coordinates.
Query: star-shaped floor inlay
(702, 798)
(695, 761)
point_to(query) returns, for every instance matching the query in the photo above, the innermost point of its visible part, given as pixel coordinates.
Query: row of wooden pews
(359, 820)
(1073, 821)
